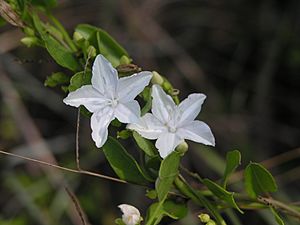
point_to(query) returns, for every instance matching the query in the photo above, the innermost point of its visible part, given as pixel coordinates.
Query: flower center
(172, 129)
(113, 102)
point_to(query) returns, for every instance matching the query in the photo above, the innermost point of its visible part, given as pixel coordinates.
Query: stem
(194, 175)
(63, 32)
(77, 140)
(65, 169)
(280, 206)
(198, 198)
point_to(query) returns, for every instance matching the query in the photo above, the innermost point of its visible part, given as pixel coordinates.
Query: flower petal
(197, 131)
(163, 106)
(148, 126)
(105, 77)
(189, 108)
(131, 215)
(166, 143)
(99, 124)
(87, 96)
(128, 112)
(129, 209)
(130, 87)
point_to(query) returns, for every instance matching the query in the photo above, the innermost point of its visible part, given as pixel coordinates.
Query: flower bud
(29, 41)
(182, 148)
(77, 36)
(157, 78)
(211, 222)
(204, 218)
(29, 31)
(131, 215)
(167, 87)
(92, 52)
(125, 60)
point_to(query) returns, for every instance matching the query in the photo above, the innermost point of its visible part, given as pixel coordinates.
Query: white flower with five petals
(109, 97)
(170, 124)
(131, 215)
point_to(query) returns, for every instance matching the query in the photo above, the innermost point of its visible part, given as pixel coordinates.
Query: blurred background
(244, 55)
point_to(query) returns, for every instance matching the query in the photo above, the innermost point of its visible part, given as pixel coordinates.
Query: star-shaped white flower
(171, 124)
(131, 215)
(109, 97)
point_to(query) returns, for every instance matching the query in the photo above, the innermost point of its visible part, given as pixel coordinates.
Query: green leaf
(146, 95)
(258, 180)
(119, 221)
(167, 173)
(105, 44)
(221, 193)
(154, 214)
(59, 53)
(56, 79)
(175, 210)
(123, 163)
(168, 208)
(276, 216)
(233, 160)
(144, 144)
(79, 79)
(198, 198)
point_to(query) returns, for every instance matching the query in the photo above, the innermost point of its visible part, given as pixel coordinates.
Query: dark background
(243, 54)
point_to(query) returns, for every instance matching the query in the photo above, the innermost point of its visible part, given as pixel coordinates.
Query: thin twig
(77, 147)
(77, 140)
(77, 205)
(65, 168)
(194, 175)
(279, 205)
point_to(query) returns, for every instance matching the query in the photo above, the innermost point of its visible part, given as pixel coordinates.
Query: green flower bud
(167, 86)
(29, 31)
(125, 60)
(29, 41)
(182, 148)
(92, 52)
(124, 134)
(211, 222)
(157, 78)
(204, 218)
(77, 36)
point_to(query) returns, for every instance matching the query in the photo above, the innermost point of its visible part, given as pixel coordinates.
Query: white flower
(131, 215)
(171, 124)
(109, 97)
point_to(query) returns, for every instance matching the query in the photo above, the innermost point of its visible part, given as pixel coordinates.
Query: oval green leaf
(145, 145)
(258, 180)
(123, 163)
(233, 160)
(167, 173)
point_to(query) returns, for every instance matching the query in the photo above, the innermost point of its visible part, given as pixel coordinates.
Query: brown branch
(77, 206)
(280, 206)
(65, 168)
(77, 140)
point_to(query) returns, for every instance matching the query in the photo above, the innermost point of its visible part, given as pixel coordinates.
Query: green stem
(199, 199)
(63, 32)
